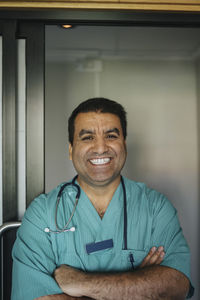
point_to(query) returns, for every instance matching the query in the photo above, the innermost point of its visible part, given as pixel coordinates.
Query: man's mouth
(100, 161)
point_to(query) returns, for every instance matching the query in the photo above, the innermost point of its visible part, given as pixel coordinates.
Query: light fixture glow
(66, 26)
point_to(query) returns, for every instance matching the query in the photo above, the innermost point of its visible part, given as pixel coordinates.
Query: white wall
(161, 100)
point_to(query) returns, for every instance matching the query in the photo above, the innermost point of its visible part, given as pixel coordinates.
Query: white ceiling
(115, 42)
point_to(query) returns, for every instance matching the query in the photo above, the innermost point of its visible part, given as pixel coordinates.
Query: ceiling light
(66, 26)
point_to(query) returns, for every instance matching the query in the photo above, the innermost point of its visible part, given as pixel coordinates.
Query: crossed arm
(149, 281)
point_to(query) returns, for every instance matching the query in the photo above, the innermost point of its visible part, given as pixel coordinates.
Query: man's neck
(100, 196)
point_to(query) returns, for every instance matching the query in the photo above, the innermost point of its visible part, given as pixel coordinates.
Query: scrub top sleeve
(166, 231)
(33, 257)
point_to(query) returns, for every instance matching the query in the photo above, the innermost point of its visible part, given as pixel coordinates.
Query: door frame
(30, 24)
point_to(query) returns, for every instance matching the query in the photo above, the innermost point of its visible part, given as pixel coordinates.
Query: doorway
(154, 73)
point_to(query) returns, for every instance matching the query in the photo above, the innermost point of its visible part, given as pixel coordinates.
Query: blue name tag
(93, 247)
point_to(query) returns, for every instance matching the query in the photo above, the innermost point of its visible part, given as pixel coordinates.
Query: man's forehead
(93, 117)
(97, 122)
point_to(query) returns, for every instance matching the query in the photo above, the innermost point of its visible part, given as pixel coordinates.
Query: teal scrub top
(151, 221)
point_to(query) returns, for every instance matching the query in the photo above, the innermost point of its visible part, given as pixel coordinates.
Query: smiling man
(98, 152)
(102, 236)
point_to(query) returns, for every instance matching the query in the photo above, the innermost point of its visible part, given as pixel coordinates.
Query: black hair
(101, 105)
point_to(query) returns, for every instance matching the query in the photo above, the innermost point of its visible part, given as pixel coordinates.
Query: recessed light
(66, 26)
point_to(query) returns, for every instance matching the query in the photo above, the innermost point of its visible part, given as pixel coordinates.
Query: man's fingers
(146, 260)
(154, 257)
(159, 255)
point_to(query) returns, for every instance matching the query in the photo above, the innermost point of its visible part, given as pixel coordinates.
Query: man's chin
(102, 181)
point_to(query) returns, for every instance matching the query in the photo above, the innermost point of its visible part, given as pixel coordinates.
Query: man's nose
(100, 146)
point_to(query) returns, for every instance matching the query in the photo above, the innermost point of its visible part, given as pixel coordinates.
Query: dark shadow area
(8, 240)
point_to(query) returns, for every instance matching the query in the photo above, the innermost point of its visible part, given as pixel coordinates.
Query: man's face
(99, 149)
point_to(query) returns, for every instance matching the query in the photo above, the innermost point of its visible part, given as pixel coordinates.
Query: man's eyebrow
(85, 131)
(116, 130)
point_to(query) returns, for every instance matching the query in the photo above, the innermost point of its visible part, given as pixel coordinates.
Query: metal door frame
(30, 24)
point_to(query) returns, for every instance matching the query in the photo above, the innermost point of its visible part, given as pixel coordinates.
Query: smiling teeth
(100, 161)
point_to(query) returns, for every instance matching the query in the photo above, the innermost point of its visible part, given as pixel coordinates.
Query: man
(121, 241)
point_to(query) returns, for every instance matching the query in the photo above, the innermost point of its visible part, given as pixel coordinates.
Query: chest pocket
(138, 256)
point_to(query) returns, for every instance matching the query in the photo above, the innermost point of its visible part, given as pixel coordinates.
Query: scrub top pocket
(138, 256)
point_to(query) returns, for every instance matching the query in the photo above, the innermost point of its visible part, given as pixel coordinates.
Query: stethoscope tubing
(73, 183)
(125, 213)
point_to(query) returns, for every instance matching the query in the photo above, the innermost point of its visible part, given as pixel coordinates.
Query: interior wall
(161, 100)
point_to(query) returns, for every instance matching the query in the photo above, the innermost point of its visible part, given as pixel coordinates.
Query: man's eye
(87, 138)
(111, 136)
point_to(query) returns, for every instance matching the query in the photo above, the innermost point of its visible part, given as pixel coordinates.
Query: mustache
(105, 154)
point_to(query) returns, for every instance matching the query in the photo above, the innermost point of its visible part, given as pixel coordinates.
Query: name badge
(94, 247)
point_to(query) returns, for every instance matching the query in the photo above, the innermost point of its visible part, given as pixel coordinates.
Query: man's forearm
(154, 282)
(61, 297)
(149, 281)
(56, 297)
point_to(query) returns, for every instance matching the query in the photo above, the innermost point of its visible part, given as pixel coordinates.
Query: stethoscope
(66, 229)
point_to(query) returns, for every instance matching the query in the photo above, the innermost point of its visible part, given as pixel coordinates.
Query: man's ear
(70, 151)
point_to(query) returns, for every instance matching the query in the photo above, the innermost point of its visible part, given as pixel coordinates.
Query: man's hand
(70, 280)
(154, 257)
